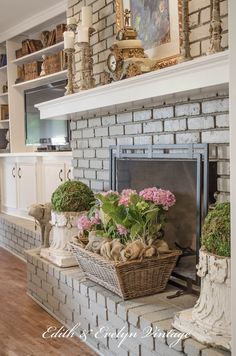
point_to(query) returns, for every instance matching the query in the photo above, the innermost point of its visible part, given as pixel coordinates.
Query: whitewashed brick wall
(200, 120)
(104, 22)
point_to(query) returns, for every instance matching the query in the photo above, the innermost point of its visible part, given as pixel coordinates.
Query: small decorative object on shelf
(185, 54)
(43, 72)
(44, 38)
(42, 214)
(127, 58)
(4, 112)
(120, 243)
(3, 60)
(215, 28)
(5, 88)
(209, 321)
(69, 201)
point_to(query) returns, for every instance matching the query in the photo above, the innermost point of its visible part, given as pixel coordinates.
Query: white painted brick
(116, 130)
(198, 123)
(102, 153)
(214, 352)
(154, 126)
(66, 312)
(96, 122)
(98, 186)
(215, 136)
(195, 5)
(212, 106)
(205, 15)
(223, 184)
(205, 45)
(194, 19)
(82, 144)
(223, 152)
(103, 175)
(142, 115)
(222, 120)
(81, 124)
(108, 120)
(155, 317)
(163, 139)
(133, 129)
(103, 131)
(175, 125)
(90, 174)
(163, 113)
(106, 11)
(89, 153)
(88, 133)
(195, 49)
(95, 164)
(79, 173)
(95, 143)
(125, 140)
(143, 140)
(199, 33)
(124, 117)
(83, 163)
(190, 109)
(223, 168)
(106, 142)
(193, 347)
(224, 8)
(36, 280)
(188, 137)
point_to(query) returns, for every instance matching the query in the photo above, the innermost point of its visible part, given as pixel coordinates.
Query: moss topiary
(72, 196)
(216, 230)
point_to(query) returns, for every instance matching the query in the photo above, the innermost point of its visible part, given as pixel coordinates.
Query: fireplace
(186, 171)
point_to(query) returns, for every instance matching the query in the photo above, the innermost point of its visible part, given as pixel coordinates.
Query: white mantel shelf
(198, 75)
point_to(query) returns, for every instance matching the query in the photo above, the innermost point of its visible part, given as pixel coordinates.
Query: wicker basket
(127, 279)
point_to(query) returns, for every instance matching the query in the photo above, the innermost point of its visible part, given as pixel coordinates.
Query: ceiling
(15, 12)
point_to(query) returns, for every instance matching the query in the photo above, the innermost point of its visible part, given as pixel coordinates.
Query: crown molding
(34, 20)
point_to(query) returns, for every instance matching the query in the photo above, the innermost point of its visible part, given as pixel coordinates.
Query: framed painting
(158, 23)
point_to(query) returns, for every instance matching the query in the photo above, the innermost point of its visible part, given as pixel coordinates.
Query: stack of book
(30, 46)
(55, 63)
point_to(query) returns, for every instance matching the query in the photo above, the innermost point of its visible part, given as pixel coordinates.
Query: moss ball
(72, 196)
(216, 230)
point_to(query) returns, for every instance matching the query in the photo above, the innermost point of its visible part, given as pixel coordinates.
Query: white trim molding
(34, 20)
(198, 75)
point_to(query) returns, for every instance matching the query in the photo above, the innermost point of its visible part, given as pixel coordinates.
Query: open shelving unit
(38, 55)
(15, 97)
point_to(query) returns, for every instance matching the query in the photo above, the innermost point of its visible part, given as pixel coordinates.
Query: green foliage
(72, 196)
(216, 230)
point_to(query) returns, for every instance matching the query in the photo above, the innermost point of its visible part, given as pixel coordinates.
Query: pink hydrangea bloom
(125, 196)
(95, 220)
(159, 197)
(84, 223)
(122, 230)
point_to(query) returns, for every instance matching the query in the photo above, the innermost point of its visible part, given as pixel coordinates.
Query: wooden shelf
(194, 76)
(34, 83)
(38, 54)
(4, 68)
(3, 95)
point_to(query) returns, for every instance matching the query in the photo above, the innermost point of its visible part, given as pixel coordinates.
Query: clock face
(112, 62)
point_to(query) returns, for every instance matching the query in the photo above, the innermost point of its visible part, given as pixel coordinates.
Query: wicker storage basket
(127, 279)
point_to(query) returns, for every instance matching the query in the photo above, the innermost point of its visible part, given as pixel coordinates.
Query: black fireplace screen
(186, 171)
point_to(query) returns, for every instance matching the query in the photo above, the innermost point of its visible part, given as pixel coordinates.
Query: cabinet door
(27, 185)
(53, 175)
(8, 186)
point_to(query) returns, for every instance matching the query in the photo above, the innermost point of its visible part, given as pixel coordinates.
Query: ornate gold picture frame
(158, 23)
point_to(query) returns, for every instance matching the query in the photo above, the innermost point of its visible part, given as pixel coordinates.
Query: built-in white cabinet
(29, 180)
(53, 174)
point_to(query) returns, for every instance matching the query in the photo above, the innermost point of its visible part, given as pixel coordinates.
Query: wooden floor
(22, 321)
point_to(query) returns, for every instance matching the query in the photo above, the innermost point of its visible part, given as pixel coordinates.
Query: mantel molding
(199, 75)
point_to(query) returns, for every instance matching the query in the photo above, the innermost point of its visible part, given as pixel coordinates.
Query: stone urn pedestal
(64, 228)
(209, 321)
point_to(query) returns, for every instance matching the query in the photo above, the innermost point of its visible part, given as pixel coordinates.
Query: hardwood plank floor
(22, 321)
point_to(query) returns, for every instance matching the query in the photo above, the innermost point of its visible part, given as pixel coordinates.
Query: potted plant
(125, 250)
(210, 319)
(69, 201)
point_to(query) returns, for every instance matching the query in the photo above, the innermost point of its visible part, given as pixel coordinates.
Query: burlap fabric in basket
(128, 279)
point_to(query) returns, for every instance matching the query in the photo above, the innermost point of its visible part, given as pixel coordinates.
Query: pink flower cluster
(122, 230)
(84, 223)
(125, 196)
(159, 197)
(105, 194)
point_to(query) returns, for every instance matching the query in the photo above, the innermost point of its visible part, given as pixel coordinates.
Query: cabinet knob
(19, 173)
(68, 174)
(13, 172)
(60, 173)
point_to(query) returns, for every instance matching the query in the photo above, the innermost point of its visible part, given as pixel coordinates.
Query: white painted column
(232, 46)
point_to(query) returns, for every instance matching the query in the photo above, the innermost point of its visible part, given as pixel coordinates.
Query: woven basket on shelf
(128, 279)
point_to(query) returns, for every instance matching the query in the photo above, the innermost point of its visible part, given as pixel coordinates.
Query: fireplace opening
(186, 171)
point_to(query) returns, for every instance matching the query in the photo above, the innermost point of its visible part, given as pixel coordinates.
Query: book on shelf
(4, 112)
(32, 70)
(3, 60)
(60, 29)
(52, 38)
